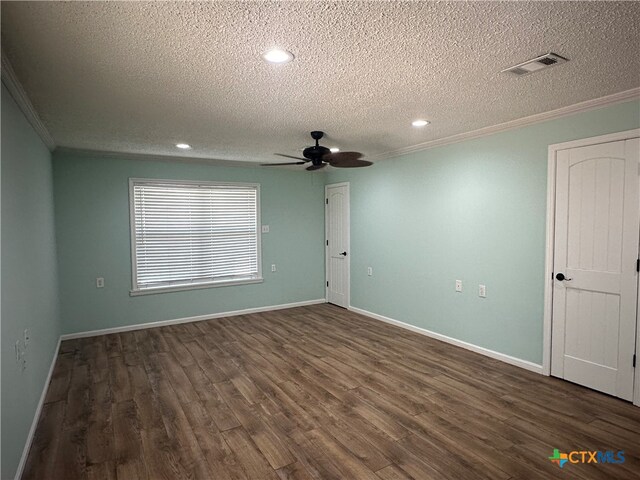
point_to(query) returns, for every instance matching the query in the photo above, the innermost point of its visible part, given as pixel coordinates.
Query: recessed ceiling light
(334, 149)
(184, 146)
(277, 55)
(419, 123)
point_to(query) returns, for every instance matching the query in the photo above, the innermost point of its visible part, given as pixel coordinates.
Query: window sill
(228, 283)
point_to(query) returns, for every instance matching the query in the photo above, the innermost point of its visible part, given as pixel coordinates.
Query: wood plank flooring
(313, 393)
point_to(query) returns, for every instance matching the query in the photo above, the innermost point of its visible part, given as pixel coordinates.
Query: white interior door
(595, 251)
(337, 243)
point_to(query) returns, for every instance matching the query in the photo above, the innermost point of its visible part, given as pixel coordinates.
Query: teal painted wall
(29, 277)
(92, 225)
(474, 211)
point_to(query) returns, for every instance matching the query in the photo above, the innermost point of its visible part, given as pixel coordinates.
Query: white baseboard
(36, 415)
(198, 318)
(518, 362)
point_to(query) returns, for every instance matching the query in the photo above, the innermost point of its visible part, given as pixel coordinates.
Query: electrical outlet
(27, 337)
(458, 285)
(369, 271)
(265, 228)
(273, 267)
(99, 282)
(482, 291)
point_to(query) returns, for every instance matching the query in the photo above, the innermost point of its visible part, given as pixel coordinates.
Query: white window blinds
(188, 234)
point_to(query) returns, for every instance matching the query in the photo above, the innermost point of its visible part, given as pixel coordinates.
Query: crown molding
(155, 157)
(587, 105)
(18, 93)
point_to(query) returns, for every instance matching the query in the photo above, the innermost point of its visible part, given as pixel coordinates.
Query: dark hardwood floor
(313, 393)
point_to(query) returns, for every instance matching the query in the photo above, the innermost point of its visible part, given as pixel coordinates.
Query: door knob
(344, 254)
(561, 277)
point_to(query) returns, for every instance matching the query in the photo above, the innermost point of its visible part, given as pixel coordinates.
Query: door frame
(550, 236)
(348, 239)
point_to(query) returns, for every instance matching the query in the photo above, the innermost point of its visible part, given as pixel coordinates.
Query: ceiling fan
(320, 157)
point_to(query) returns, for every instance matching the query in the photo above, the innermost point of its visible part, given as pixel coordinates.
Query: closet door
(337, 243)
(595, 276)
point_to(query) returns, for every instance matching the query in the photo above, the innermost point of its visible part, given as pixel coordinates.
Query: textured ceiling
(139, 77)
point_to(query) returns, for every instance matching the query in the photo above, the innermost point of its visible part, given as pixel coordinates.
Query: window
(193, 234)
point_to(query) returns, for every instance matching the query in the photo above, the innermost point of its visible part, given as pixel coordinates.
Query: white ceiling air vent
(535, 64)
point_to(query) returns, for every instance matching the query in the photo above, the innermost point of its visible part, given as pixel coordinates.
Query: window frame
(136, 291)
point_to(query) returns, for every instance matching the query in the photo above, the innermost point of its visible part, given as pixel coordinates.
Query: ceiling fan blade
(334, 157)
(278, 164)
(353, 164)
(316, 167)
(291, 156)
(346, 160)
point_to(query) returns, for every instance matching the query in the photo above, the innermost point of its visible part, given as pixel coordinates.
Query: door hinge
(638, 265)
(327, 284)
(327, 243)
(326, 201)
(634, 360)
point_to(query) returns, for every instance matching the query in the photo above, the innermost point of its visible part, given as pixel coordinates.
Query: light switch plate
(458, 285)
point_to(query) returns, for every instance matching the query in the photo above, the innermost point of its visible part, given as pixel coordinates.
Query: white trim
(636, 381)
(36, 416)
(132, 236)
(587, 105)
(18, 93)
(215, 283)
(549, 250)
(180, 182)
(326, 247)
(518, 362)
(548, 263)
(198, 318)
(195, 286)
(585, 142)
(152, 157)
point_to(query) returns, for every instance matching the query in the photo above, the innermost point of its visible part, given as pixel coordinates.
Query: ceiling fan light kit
(320, 157)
